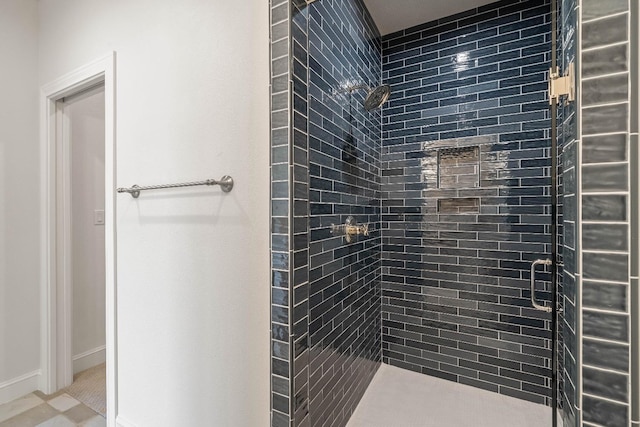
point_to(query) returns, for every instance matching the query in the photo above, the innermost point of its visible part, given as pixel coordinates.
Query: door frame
(56, 356)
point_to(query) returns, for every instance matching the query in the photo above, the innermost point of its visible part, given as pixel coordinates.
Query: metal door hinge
(560, 86)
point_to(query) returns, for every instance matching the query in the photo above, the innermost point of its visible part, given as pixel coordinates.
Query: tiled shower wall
(325, 168)
(606, 236)
(344, 169)
(466, 200)
(283, 222)
(567, 143)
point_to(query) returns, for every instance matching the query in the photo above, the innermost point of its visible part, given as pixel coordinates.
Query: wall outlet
(98, 217)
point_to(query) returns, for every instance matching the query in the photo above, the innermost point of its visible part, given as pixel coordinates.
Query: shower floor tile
(401, 398)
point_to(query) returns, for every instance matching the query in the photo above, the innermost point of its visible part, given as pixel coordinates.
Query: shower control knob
(350, 229)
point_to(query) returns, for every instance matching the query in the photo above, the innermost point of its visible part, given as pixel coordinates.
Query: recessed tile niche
(459, 205)
(459, 167)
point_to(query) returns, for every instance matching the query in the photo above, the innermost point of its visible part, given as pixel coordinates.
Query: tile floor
(55, 410)
(395, 398)
(401, 398)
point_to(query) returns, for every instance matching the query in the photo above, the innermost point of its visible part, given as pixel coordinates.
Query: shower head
(376, 97)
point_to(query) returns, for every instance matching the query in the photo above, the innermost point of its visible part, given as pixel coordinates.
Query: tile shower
(466, 200)
(452, 177)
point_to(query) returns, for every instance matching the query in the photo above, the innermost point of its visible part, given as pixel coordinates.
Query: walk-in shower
(460, 184)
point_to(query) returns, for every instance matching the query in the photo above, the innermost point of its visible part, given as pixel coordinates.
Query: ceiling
(395, 15)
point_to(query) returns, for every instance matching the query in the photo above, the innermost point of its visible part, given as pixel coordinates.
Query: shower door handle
(534, 301)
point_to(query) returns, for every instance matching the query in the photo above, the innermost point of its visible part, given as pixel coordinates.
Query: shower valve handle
(350, 228)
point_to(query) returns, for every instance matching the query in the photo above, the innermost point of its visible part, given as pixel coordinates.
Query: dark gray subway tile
(606, 355)
(634, 78)
(279, 13)
(605, 413)
(604, 208)
(606, 60)
(278, 419)
(592, 9)
(612, 237)
(605, 31)
(606, 325)
(605, 177)
(634, 196)
(604, 148)
(605, 119)
(605, 296)
(635, 348)
(605, 266)
(610, 385)
(279, 385)
(606, 89)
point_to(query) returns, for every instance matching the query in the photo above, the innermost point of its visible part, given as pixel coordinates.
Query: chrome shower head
(376, 97)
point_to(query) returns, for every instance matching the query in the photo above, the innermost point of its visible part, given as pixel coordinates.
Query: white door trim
(55, 339)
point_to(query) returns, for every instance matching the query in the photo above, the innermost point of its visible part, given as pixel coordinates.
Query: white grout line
(607, 341)
(602, 18)
(578, 258)
(635, 401)
(606, 399)
(610, 133)
(603, 311)
(604, 193)
(606, 134)
(604, 252)
(609, 104)
(599, 368)
(280, 57)
(593, 222)
(591, 49)
(606, 282)
(600, 76)
(623, 162)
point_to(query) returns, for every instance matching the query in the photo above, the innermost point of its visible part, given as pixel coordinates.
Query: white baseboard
(19, 386)
(89, 359)
(121, 422)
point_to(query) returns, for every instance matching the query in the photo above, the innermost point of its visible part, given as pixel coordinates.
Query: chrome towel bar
(225, 183)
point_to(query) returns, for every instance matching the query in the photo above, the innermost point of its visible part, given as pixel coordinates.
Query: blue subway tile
(495, 72)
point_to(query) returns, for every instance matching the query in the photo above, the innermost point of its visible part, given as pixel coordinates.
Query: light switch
(98, 217)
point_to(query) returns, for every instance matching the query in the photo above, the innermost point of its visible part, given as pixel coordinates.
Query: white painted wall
(85, 119)
(193, 277)
(19, 200)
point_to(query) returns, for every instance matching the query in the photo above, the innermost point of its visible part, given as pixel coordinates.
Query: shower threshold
(402, 398)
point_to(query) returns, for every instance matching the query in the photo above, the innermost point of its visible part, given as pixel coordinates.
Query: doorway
(82, 121)
(78, 200)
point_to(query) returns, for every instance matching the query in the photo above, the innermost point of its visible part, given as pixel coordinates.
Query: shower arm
(358, 87)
